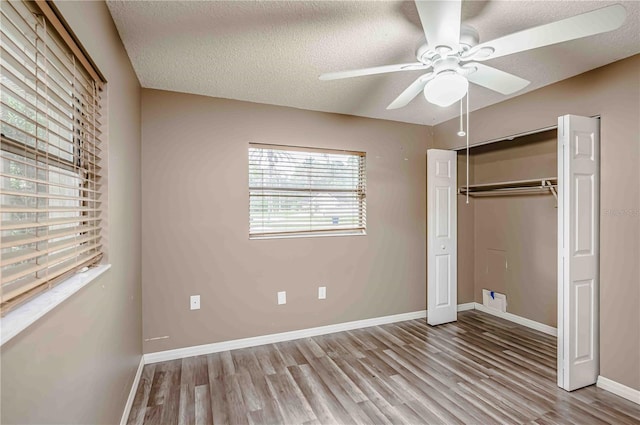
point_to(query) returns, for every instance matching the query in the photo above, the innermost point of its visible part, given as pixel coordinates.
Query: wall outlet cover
(194, 302)
(282, 297)
(322, 292)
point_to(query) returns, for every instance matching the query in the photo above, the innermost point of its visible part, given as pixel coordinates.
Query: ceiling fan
(452, 53)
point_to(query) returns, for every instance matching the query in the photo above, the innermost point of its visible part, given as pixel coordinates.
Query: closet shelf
(514, 187)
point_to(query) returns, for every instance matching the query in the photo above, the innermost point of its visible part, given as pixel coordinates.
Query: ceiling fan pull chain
(467, 192)
(461, 132)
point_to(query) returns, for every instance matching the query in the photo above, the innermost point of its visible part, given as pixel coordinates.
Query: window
(49, 155)
(305, 191)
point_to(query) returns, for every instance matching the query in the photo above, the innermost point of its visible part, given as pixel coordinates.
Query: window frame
(358, 194)
(84, 101)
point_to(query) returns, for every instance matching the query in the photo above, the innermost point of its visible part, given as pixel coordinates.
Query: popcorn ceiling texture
(273, 51)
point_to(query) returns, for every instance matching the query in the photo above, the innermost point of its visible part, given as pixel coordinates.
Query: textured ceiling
(273, 51)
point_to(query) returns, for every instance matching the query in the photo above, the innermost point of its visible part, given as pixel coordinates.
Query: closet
(507, 225)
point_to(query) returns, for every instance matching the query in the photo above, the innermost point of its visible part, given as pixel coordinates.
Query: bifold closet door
(578, 251)
(442, 223)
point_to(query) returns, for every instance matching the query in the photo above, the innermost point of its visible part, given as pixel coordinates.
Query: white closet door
(578, 245)
(442, 283)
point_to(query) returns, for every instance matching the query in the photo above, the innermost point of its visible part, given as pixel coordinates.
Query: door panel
(578, 246)
(584, 217)
(442, 244)
(583, 293)
(443, 264)
(443, 203)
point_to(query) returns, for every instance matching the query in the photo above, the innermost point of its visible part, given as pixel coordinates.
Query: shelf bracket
(552, 189)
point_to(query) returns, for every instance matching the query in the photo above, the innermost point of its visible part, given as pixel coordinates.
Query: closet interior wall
(508, 243)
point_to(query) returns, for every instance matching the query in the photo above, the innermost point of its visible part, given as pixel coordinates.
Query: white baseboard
(132, 393)
(604, 383)
(217, 347)
(466, 306)
(549, 330)
(618, 389)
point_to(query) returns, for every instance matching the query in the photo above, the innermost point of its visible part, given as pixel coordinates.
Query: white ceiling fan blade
(441, 22)
(410, 92)
(495, 79)
(375, 70)
(591, 23)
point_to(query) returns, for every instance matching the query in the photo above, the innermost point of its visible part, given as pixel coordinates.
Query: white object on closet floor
(442, 223)
(494, 300)
(578, 251)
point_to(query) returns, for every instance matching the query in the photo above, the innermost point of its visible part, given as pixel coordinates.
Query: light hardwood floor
(479, 370)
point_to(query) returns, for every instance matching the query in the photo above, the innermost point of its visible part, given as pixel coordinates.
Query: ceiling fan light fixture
(446, 89)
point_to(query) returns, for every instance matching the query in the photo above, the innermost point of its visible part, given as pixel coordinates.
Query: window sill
(308, 235)
(24, 316)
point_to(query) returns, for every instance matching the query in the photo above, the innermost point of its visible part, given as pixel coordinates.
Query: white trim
(132, 393)
(235, 344)
(217, 347)
(549, 330)
(618, 389)
(302, 234)
(560, 281)
(466, 306)
(27, 314)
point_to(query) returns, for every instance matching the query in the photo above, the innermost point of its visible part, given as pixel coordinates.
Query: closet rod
(543, 185)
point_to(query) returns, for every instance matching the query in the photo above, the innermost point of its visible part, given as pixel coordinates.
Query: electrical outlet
(194, 302)
(322, 292)
(282, 297)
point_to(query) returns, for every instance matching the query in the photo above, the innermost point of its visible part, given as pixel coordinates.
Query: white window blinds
(302, 191)
(49, 157)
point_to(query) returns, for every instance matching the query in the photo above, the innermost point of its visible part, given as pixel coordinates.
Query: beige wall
(195, 232)
(517, 231)
(523, 158)
(613, 92)
(77, 364)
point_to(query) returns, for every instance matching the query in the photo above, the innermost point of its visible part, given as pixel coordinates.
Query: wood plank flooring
(479, 370)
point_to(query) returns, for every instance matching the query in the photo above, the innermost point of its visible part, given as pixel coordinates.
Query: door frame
(562, 316)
